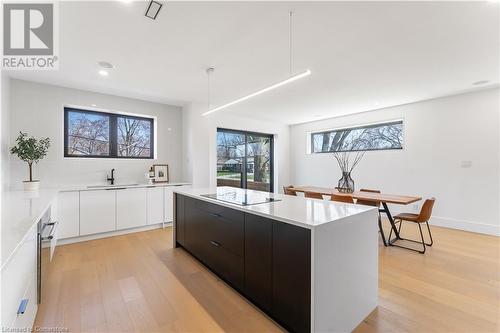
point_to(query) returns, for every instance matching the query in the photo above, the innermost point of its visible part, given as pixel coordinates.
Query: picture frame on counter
(160, 173)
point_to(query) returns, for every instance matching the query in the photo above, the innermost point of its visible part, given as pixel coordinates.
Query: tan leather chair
(313, 195)
(423, 217)
(288, 190)
(342, 198)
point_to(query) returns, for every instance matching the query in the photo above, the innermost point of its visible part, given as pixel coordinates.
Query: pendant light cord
(209, 71)
(290, 42)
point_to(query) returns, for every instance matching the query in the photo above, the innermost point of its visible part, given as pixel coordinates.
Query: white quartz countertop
(20, 212)
(97, 187)
(304, 212)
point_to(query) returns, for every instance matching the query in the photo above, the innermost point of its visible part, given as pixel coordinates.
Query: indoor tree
(30, 150)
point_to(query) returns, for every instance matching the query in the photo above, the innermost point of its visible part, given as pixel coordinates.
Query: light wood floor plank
(139, 283)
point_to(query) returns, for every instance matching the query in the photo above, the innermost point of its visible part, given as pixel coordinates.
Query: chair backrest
(368, 202)
(313, 195)
(426, 211)
(288, 190)
(342, 198)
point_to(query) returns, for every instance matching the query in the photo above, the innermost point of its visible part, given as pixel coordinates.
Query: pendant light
(289, 79)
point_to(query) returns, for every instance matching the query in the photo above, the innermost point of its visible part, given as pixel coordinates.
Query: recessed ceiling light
(102, 72)
(478, 83)
(153, 9)
(105, 64)
(93, 104)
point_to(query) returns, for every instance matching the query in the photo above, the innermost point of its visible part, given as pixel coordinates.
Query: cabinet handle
(116, 189)
(215, 215)
(52, 226)
(215, 243)
(22, 306)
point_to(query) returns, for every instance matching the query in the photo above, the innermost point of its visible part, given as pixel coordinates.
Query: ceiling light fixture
(271, 87)
(105, 64)
(290, 79)
(153, 9)
(102, 72)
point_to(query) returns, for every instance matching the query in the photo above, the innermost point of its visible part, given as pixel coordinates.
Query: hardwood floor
(138, 283)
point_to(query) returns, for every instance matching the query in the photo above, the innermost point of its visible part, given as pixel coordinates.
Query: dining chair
(375, 204)
(342, 198)
(288, 190)
(313, 195)
(423, 217)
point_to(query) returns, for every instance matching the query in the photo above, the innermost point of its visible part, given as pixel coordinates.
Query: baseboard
(471, 226)
(440, 221)
(111, 233)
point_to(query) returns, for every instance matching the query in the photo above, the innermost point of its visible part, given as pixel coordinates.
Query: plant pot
(346, 184)
(31, 186)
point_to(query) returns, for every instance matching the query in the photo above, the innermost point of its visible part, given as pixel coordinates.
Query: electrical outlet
(466, 164)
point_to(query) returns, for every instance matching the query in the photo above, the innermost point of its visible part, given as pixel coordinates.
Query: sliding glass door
(245, 159)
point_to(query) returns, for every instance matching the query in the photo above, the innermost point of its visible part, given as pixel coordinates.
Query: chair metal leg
(422, 242)
(430, 234)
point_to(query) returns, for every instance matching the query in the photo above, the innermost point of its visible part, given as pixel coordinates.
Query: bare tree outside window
(244, 159)
(373, 137)
(88, 134)
(134, 137)
(101, 134)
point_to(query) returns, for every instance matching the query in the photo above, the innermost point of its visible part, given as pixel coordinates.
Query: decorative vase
(346, 184)
(31, 186)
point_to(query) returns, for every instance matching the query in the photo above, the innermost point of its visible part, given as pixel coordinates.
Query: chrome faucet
(112, 179)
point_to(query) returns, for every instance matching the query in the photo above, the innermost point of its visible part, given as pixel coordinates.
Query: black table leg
(391, 220)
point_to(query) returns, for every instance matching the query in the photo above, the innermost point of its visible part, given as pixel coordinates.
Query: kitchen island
(311, 265)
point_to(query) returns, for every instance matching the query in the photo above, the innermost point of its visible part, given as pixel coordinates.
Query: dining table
(382, 198)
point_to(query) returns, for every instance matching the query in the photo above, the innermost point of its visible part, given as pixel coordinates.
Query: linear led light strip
(271, 87)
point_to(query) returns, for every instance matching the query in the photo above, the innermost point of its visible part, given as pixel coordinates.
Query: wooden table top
(369, 196)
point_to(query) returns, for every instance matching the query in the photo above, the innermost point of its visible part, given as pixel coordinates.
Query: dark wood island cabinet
(266, 260)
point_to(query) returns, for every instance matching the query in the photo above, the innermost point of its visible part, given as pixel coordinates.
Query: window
(101, 134)
(245, 160)
(370, 137)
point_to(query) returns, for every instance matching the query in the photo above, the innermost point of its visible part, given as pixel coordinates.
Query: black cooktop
(242, 199)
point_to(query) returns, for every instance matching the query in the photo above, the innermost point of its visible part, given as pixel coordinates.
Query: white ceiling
(363, 55)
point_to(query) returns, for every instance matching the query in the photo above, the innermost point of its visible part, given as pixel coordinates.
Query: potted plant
(30, 150)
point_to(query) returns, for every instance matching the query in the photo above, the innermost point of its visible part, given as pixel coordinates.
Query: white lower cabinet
(97, 211)
(68, 214)
(155, 205)
(130, 208)
(169, 204)
(18, 282)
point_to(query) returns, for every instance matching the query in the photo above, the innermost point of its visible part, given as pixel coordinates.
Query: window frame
(244, 181)
(379, 124)
(113, 133)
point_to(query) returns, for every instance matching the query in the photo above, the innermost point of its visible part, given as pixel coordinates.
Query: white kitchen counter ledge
(21, 210)
(304, 212)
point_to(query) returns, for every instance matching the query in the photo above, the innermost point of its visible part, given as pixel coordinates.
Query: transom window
(101, 134)
(380, 136)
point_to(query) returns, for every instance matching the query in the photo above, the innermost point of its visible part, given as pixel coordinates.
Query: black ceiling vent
(153, 9)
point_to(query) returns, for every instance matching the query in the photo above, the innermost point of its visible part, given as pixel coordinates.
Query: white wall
(439, 134)
(200, 143)
(38, 110)
(5, 130)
